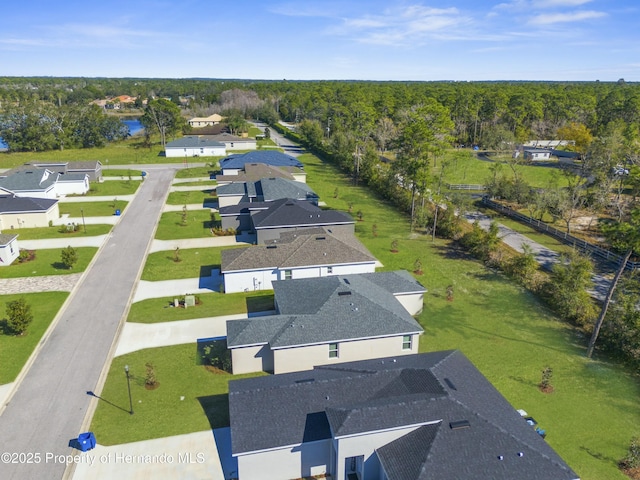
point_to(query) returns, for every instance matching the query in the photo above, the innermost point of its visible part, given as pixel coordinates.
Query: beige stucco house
(327, 320)
(26, 212)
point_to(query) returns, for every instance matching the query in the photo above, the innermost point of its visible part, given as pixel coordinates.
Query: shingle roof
(5, 238)
(269, 189)
(431, 389)
(12, 204)
(342, 307)
(312, 247)
(254, 172)
(269, 157)
(287, 212)
(193, 142)
(29, 180)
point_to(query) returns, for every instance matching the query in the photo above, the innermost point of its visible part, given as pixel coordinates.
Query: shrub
(69, 257)
(221, 232)
(26, 255)
(632, 459)
(19, 317)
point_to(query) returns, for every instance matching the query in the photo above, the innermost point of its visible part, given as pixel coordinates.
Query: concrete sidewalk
(190, 456)
(192, 188)
(204, 242)
(91, 241)
(175, 288)
(88, 198)
(194, 179)
(65, 219)
(190, 207)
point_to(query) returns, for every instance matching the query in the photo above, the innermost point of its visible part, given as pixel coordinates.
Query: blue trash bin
(117, 213)
(87, 441)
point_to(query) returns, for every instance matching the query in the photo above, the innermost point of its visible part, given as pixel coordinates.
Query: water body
(133, 124)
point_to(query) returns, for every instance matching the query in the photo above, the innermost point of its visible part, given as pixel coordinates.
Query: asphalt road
(50, 403)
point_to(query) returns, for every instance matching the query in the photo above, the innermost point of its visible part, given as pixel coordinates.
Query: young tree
(19, 316)
(69, 257)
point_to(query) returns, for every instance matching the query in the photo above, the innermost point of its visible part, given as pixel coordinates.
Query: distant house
(233, 142)
(93, 168)
(548, 143)
(234, 164)
(264, 190)
(301, 254)
(536, 154)
(39, 182)
(36, 183)
(26, 212)
(9, 250)
(194, 146)
(326, 320)
(199, 122)
(431, 416)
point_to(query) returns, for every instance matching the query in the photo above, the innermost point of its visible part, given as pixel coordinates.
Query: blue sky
(324, 40)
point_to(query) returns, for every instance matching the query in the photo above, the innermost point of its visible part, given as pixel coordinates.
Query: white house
(9, 250)
(72, 184)
(327, 320)
(194, 146)
(431, 416)
(300, 254)
(199, 122)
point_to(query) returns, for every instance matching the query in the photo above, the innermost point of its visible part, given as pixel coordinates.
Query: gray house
(327, 320)
(234, 164)
(252, 172)
(264, 190)
(431, 416)
(315, 252)
(92, 168)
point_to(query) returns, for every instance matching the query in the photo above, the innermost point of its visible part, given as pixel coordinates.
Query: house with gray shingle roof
(264, 190)
(327, 320)
(252, 172)
(431, 416)
(315, 252)
(93, 168)
(194, 146)
(236, 163)
(9, 249)
(38, 182)
(27, 212)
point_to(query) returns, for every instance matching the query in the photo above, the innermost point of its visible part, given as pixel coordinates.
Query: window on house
(406, 342)
(287, 274)
(333, 350)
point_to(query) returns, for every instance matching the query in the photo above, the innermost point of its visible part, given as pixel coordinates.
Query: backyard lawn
(113, 188)
(189, 197)
(14, 351)
(197, 172)
(48, 262)
(193, 262)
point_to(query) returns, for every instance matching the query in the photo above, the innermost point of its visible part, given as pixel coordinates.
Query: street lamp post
(83, 224)
(126, 371)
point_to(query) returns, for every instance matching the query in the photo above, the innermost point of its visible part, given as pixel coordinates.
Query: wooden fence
(564, 237)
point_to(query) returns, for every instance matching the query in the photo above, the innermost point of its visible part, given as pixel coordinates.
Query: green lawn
(198, 224)
(92, 209)
(465, 167)
(194, 262)
(14, 351)
(157, 310)
(189, 397)
(192, 196)
(47, 262)
(197, 172)
(120, 172)
(43, 233)
(113, 187)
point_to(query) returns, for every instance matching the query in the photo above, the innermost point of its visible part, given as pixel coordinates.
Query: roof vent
(342, 294)
(450, 384)
(500, 457)
(459, 424)
(306, 380)
(521, 454)
(272, 246)
(321, 238)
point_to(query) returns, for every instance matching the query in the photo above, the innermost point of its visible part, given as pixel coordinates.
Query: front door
(353, 467)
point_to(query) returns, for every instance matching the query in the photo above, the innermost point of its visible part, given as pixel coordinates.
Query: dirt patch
(152, 387)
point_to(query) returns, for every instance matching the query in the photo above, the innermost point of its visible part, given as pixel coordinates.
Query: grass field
(92, 209)
(44, 233)
(48, 262)
(198, 224)
(158, 310)
(194, 262)
(197, 172)
(121, 172)
(113, 188)
(189, 397)
(14, 351)
(192, 196)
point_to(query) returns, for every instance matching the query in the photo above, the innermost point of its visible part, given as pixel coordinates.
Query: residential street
(51, 402)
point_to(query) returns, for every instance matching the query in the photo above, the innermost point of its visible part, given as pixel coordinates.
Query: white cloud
(559, 3)
(552, 18)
